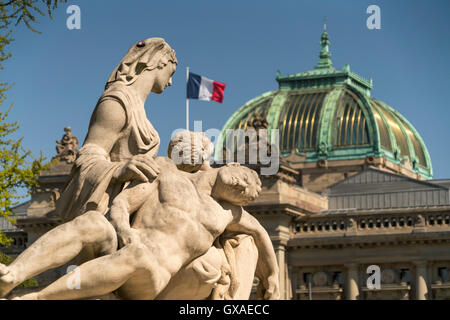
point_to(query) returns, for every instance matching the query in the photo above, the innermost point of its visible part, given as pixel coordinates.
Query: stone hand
(7, 280)
(141, 167)
(268, 288)
(127, 236)
(3, 270)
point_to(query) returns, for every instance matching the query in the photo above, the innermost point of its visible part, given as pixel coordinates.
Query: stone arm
(126, 203)
(267, 266)
(107, 122)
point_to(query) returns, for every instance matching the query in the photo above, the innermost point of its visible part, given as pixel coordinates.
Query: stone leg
(202, 276)
(59, 246)
(105, 274)
(196, 280)
(246, 255)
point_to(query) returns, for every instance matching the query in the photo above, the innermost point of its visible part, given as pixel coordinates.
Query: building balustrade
(322, 285)
(440, 287)
(438, 220)
(401, 281)
(341, 223)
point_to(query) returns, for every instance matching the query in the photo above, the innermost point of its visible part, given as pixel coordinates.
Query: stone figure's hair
(145, 55)
(189, 150)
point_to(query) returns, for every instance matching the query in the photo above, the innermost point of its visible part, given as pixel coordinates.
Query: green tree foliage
(13, 12)
(18, 167)
(16, 170)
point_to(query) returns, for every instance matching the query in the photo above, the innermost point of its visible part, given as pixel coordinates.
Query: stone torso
(178, 215)
(138, 135)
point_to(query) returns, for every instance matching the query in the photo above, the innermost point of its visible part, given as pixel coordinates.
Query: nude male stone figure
(228, 269)
(168, 232)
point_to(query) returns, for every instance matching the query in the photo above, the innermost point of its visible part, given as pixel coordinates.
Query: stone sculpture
(227, 270)
(127, 216)
(67, 147)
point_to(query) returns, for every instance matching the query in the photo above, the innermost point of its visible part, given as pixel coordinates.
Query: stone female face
(163, 77)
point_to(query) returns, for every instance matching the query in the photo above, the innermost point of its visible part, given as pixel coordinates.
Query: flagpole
(187, 100)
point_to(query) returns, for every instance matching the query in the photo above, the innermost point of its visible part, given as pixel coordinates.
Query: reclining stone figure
(167, 233)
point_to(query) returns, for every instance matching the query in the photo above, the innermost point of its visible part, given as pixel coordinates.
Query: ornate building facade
(354, 189)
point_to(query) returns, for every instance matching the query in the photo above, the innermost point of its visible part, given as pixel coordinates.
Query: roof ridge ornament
(324, 56)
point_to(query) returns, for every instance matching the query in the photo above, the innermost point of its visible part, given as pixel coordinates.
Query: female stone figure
(120, 147)
(121, 142)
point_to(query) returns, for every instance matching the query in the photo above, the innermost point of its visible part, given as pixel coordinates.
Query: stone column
(421, 280)
(352, 290)
(280, 252)
(291, 283)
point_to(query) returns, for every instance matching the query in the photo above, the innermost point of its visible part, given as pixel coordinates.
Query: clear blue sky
(60, 73)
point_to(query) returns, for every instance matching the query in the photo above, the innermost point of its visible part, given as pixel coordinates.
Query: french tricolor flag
(202, 88)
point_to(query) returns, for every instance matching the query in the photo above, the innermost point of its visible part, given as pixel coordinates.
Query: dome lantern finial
(324, 57)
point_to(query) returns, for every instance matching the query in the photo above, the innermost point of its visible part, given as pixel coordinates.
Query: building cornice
(37, 222)
(361, 241)
(277, 209)
(361, 212)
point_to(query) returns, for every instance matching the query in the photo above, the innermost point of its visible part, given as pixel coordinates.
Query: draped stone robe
(90, 186)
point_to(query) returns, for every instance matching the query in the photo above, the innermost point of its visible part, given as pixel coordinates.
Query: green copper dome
(329, 114)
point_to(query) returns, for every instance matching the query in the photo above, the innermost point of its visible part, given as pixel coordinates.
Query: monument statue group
(148, 227)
